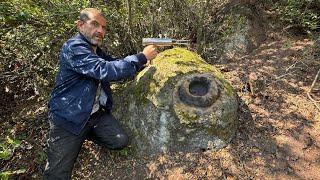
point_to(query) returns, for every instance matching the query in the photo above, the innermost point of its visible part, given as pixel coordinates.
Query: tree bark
(201, 29)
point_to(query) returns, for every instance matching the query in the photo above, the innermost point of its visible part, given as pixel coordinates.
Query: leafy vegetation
(7, 174)
(303, 14)
(32, 32)
(7, 148)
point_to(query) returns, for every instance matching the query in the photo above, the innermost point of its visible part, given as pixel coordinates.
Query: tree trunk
(200, 32)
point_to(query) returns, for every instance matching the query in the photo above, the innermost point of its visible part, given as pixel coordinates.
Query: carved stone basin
(180, 103)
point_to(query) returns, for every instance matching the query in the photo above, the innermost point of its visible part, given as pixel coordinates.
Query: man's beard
(92, 40)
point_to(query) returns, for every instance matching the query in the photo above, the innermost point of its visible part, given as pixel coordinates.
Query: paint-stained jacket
(80, 72)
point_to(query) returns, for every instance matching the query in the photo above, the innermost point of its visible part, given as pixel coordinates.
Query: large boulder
(245, 33)
(237, 28)
(179, 103)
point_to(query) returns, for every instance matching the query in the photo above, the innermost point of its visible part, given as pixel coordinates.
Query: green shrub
(7, 147)
(304, 14)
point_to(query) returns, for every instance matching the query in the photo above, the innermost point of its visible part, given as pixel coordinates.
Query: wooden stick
(312, 85)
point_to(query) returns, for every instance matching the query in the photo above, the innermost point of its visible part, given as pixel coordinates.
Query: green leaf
(14, 143)
(123, 152)
(5, 154)
(6, 174)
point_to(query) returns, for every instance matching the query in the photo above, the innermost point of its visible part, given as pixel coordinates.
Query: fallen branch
(312, 85)
(280, 77)
(293, 66)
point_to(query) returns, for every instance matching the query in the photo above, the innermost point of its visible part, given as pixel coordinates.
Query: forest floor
(279, 130)
(278, 135)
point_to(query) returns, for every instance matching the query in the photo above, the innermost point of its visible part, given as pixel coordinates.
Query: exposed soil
(278, 135)
(279, 127)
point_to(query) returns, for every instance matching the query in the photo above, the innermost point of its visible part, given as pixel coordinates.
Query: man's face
(93, 29)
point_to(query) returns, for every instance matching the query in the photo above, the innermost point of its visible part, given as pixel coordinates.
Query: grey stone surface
(180, 103)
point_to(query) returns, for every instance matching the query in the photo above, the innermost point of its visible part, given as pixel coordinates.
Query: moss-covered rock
(178, 103)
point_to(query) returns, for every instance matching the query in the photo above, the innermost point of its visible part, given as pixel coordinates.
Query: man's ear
(79, 23)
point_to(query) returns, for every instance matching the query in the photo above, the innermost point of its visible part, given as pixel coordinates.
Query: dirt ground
(278, 135)
(279, 126)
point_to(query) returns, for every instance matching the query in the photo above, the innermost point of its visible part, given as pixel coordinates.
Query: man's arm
(80, 58)
(105, 55)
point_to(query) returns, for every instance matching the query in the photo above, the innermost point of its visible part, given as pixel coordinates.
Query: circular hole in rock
(199, 86)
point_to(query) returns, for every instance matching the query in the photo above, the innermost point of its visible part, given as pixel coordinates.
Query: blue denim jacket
(80, 72)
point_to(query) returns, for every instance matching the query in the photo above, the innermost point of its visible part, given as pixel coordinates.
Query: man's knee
(121, 141)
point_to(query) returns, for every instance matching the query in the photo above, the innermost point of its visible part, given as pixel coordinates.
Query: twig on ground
(280, 77)
(312, 85)
(294, 65)
(289, 68)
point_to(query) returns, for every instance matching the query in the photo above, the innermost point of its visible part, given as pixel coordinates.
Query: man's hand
(150, 52)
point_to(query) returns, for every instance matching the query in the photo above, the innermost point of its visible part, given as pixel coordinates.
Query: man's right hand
(150, 52)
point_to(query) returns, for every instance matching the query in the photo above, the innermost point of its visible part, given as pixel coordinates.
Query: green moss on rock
(156, 114)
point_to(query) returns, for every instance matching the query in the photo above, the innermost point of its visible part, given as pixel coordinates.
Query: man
(81, 102)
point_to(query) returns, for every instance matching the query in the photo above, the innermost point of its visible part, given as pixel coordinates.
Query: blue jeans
(64, 147)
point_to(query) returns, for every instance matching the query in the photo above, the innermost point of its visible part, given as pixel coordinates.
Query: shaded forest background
(32, 33)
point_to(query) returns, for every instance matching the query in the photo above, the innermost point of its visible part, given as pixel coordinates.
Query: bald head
(89, 13)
